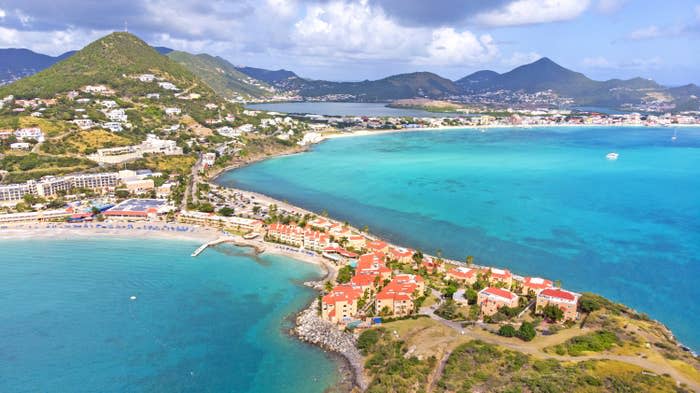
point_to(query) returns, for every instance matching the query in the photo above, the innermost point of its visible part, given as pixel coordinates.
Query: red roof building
(535, 285)
(490, 299)
(340, 304)
(463, 274)
(565, 300)
(401, 255)
(377, 246)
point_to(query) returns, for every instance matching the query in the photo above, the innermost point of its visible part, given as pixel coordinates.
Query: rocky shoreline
(310, 328)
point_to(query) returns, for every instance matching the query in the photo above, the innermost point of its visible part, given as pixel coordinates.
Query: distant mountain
(544, 74)
(163, 50)
(687, 97)
(222, 76)
(16, 63)
(268, 76)
(106, 61)
(417, 84)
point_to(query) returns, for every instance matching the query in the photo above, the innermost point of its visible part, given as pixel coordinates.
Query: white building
(109, 104)
(153, 96)
(84, 124)
(30, 133)
(147, 77)
(113, 126)
(208, 159)
(20, 146)
(117, 115)
(172, 111)
(167, 86)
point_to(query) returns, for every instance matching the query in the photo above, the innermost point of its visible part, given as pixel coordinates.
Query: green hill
(110, 60)
(416, 84)
(222, 76)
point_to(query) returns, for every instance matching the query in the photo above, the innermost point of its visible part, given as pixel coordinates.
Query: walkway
(535, 349)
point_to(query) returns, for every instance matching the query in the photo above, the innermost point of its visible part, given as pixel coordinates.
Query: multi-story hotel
(49, 186)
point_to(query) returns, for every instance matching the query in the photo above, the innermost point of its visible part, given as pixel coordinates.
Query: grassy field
(480, 367)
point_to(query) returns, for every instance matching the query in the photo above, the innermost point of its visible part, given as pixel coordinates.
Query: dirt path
(535, 349)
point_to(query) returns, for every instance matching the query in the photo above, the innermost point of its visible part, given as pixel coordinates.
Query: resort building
(338, 255)
(417, 280)
(152, 145)
(464, 275)
(373, 264)
(367, 281)
(287, 234)
(396, 298)
(340, 304)
(535, 285)
(499, 277)
(47, 215)
(357, 242)
(431, 266)
(139, 209)
(237, 223)
(490, 299)
(50, 186)
(565, 300)
(138, 186)
(401, 255)
(377, 246)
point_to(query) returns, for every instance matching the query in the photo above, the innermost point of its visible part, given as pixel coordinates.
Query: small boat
(674, 137)
(612, 156)
(132, 298)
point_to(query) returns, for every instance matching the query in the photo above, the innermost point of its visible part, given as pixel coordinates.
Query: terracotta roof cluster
(537, 282)
(398, 253)
(398, 290)
(341, 251)
(463, 272)
(348, 293)
(558, 294)
(499, 292)
(376, 245)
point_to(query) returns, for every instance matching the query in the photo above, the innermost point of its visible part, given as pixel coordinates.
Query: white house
(147, 77)
(113, 126)
(20, 146)
(84, 124)
(30, 133)
(167, 86)
(117, 115)
(172, 111)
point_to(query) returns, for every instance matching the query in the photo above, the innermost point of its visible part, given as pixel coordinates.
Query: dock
(226, 239)
(204, 246)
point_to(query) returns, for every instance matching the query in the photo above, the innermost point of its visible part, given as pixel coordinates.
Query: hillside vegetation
(105, 61)
(221, 75)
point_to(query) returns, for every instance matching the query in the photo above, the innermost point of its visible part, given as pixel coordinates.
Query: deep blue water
(538, 201)
(345, 109)
(215, 323)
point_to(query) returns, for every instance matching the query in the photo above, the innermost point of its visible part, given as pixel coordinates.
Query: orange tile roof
(558, 293)
(502, 293)
(538, 283)
(345, 292)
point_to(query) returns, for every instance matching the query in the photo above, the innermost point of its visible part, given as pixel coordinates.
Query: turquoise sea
(214, 323)
(541, 201)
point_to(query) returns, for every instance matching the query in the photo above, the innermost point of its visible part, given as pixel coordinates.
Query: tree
(471, 296)
(256, 209)
(450, 289)
(226, 211)
(552, 313)
(507, 331)
(206, 208)
(527, 331)
(470, 260)
(329, 286)
(345, 273)
(588, 304)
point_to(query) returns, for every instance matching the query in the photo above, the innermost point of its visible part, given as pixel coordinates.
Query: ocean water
(214, 323)
(345, 109)
(541, 201)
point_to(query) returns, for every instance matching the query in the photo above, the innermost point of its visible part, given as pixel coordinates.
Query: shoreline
(366, 132)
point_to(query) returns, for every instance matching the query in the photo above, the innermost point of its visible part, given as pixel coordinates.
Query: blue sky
(369, 39)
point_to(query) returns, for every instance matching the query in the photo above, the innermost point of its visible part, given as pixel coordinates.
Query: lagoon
(540, 201)
(345, 109)
(215, 323)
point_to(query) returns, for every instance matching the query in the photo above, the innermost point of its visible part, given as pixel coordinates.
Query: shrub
(527, 331)
(507, 331)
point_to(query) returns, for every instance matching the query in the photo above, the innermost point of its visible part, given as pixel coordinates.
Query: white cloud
(49, 42)
(2, 13)
(524, 12)
(450, 47)
(520, 58)
(645, 33)
(327, 30)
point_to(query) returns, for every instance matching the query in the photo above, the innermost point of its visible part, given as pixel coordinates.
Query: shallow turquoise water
(215, 323)
(538, 201)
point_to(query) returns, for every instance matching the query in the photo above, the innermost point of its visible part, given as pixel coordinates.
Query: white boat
(612, 156)
(673, 138)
